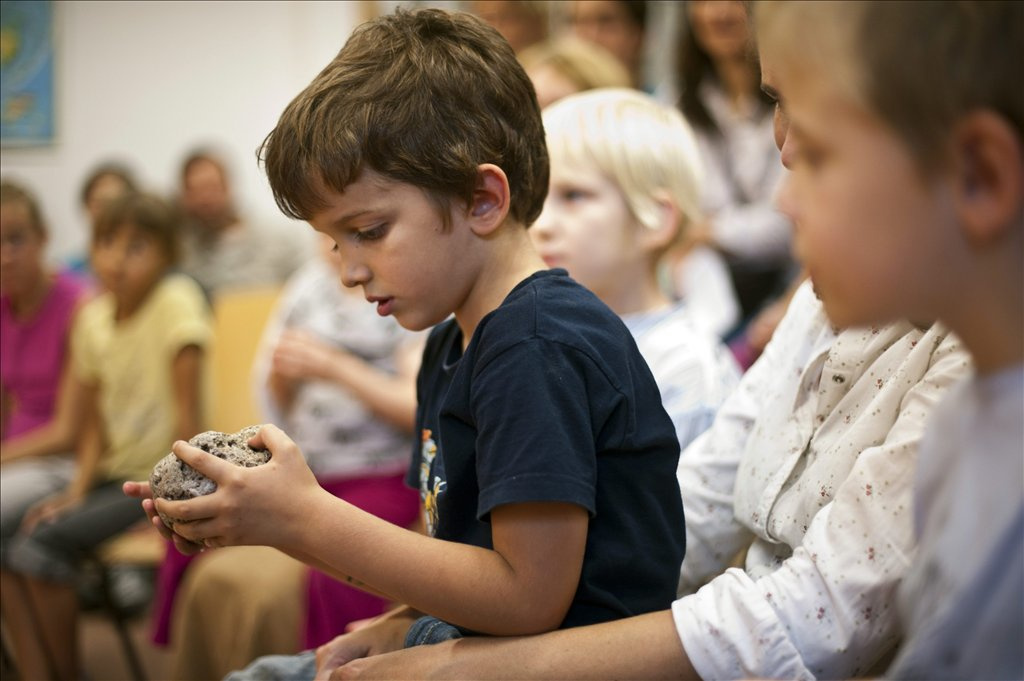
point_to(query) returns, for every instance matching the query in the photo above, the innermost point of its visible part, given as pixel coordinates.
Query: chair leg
(37, 628)
(120, 623)
(7, 661)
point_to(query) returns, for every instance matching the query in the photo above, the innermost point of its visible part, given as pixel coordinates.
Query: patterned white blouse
(809, 466)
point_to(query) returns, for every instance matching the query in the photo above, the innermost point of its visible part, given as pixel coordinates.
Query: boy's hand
(48, 510)
(383, 635)
(260, 505)
(141, 490)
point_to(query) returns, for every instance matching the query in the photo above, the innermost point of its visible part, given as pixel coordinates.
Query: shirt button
(836, 378)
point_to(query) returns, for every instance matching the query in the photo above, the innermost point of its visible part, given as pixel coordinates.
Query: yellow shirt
(131, 361)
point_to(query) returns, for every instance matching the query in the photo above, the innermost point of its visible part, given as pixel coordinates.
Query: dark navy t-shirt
(552, 401)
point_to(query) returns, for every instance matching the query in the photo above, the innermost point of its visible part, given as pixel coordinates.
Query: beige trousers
(234, 605)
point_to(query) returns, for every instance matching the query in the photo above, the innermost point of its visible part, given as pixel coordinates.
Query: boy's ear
(668, 226)
(989, 180)
(490, 199)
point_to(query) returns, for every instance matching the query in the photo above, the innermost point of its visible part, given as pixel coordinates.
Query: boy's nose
(354, 274)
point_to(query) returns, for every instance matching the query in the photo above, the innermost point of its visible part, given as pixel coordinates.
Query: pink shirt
(32, 354)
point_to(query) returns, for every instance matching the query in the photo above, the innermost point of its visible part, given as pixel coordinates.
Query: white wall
(144, 82)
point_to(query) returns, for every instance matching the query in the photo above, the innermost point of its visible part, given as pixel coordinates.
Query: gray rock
(174, 479)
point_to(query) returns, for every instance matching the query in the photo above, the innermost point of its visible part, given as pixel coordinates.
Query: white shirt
(962, 603)
(339, 436)
(694, 371)
(810, 465)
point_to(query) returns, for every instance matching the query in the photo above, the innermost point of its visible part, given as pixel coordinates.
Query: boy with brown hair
(546, 457)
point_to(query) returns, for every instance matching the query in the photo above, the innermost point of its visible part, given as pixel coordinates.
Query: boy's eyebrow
(349, 217)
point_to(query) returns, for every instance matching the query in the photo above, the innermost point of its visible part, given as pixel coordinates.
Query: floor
(103, 657)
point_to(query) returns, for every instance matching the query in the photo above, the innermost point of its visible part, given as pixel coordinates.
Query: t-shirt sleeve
(535, 406)
(187, 316)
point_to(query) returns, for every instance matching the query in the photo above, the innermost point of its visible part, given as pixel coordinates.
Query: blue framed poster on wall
(26, 72)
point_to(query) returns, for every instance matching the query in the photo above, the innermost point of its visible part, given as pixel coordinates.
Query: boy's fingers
(185, 546)
(138, 490)
(271, 437)
(207, 464)
(189, 510)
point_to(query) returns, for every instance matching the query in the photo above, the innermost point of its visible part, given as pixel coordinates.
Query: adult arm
(524, 585)
(300, 355)
(88, 453)
(641, 647)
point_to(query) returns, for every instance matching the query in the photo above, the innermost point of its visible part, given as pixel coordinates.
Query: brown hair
(203, 155)
(917, 65)
(421, 97)
(150, 214)
(694, 66)
(15, 193)
(107, 169)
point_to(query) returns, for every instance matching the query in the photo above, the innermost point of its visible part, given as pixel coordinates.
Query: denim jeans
(429, 630)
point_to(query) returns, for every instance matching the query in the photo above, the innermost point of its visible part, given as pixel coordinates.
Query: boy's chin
(846, 314)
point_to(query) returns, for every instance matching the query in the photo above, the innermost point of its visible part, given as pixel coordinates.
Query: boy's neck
(989, 318)
(511, 259)
(639, 293)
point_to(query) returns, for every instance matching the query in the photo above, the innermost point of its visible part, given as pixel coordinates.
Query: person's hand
(260, 505)
(419, 662)
(141, 490)
(300, 355)
(383, 635)
(49, 509)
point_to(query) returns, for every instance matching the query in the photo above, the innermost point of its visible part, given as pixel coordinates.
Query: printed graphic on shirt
(430, 489)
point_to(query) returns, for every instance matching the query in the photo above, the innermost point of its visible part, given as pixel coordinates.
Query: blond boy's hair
(918, 65)
(643, 146)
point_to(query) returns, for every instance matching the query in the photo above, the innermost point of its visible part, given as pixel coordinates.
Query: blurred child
(567, 65)
(521, 22)
(137, 349)
(907, 193)
(625, 182)
(105, 183)
(619, 26)
(545, 457)
(39, 397)
(223, 247)
(341, 380)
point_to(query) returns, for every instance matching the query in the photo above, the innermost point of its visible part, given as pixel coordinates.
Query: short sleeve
(187, 316)
(535, 405)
